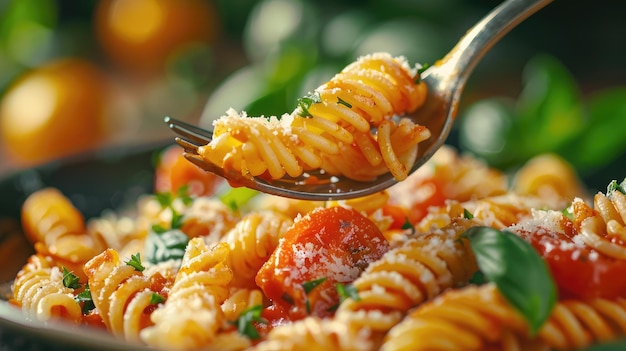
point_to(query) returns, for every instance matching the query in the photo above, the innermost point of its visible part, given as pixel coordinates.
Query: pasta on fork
(344, 127)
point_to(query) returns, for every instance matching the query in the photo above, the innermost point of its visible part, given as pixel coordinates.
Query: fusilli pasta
(331, 129)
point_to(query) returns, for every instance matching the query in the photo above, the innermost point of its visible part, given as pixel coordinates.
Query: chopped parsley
(135, 262)
(567, 212)
(614, 186)
(312, 284)
(156, 299)
(408, 226)
(305, 103)
(84, 297)
(343, 102)
(308, 287)
(247, 319)
(467, 214)
(70, 280)
(418, 78)
(347, 292)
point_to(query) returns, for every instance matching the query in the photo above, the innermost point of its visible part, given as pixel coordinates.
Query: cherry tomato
(143, 34)
(431, 193)
(175, 171)
(327, 246)
(399, 215)
(53, 111)
(579, 272)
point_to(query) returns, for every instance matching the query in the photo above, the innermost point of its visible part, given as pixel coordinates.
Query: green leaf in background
(484, 130)
(518, 271)
(604, 136)
(549, 109)
(608, 346)
(235, 198)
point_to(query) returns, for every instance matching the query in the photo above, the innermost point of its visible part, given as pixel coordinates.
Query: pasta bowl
(94, 181)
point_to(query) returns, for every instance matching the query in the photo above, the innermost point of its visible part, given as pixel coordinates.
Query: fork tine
(187, 145)
(188, 131)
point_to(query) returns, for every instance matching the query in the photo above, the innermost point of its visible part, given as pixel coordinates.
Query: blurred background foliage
(80, 75)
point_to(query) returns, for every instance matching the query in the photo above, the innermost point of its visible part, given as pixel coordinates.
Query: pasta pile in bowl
(459, 256)
(345, 127)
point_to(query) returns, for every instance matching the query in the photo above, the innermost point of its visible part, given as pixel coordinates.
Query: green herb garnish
(135, 262)
(183, 195)
(235, 198)
(84, 297)
(408, 226)
(312, 284)
(246, 320)
(519, 272)
(343, 102)
(418, 77)
(156, 299)
(165, 245)
(165, 199)
(70, 280)
(614, 186)
(305, 103)
(467, 214)
(347, 292)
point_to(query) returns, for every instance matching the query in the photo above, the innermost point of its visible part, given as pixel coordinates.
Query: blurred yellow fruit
(142, 34)
(52, 111)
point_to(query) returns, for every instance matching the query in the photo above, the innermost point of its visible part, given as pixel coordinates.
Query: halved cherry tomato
(431, 192)
(579, 272)
(398, 213)
(327, 246)
(175, 171)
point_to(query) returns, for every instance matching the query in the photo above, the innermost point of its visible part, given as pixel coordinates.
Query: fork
(446, 80)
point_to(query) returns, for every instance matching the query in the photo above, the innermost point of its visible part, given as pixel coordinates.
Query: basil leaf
(549, 108)
(518, 271)
(168, 245)
(603, 139)
(608, 346)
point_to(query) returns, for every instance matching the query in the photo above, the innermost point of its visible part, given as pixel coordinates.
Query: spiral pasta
(251, 242)
(120, 293)
(406, 276)
(331, 127)
(313, 333)
(40, 292)
(479, 318)
(602, 228)
(472, 318)
(49, 218)
(192, 316)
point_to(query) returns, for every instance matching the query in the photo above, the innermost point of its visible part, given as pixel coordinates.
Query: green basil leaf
(550, 107)
(608, 346)
(604, 138)
(519, 272)
(168, 245)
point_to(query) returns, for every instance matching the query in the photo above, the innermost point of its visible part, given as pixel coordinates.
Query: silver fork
(445, 80)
